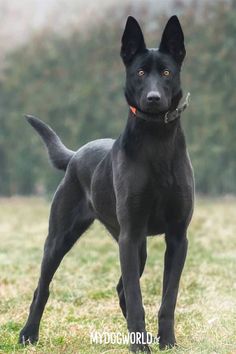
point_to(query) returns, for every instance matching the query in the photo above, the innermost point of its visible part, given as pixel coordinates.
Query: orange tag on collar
(133, 110)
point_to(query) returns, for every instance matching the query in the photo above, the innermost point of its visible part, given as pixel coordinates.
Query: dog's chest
(159, 165)
(159, 157)
(160, 175)
(161, 182)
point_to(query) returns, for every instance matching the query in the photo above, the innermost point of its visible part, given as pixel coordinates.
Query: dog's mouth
(154, 110)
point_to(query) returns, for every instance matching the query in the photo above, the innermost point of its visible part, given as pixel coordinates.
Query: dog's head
(153, 75)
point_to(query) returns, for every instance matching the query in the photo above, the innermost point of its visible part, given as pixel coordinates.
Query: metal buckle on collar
(166, 118)
(177, 111)
(174, 115)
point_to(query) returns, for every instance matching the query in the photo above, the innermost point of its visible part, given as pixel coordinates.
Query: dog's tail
(59, 155)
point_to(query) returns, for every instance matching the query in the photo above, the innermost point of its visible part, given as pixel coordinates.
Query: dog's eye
(141, 72)
(166, 72)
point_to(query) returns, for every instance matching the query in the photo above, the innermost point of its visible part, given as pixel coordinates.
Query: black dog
(138, 185)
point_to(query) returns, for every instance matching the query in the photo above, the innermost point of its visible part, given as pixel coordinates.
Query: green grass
(83, 296)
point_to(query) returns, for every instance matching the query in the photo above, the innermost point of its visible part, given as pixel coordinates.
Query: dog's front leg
(176, 250)
(130, 243)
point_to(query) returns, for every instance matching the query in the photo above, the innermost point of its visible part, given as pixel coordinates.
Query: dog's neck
(141, 132)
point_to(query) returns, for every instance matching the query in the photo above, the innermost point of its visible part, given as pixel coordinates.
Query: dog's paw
(139, 348)
(28, 336)
(166, 335)
(167, 343)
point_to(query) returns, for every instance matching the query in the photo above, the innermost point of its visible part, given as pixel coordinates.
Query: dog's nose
(153, 96)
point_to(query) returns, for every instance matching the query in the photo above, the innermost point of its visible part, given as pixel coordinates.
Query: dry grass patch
(83, 296)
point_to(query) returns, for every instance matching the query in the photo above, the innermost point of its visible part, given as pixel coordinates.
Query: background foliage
(75, 82)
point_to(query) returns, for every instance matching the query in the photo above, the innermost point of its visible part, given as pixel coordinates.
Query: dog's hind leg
(119, 287)
(70, 217)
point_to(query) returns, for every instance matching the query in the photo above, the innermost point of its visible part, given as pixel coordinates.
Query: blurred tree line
(75, 83)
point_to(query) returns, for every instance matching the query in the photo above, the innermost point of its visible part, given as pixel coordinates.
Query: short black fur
(138, 185)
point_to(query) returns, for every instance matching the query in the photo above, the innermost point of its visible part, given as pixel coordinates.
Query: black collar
(166, 117)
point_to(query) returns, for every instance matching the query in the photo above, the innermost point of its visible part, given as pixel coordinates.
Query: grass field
(83, 297)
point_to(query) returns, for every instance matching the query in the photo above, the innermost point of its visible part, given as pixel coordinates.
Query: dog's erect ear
(172, 41)
(132, 41)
